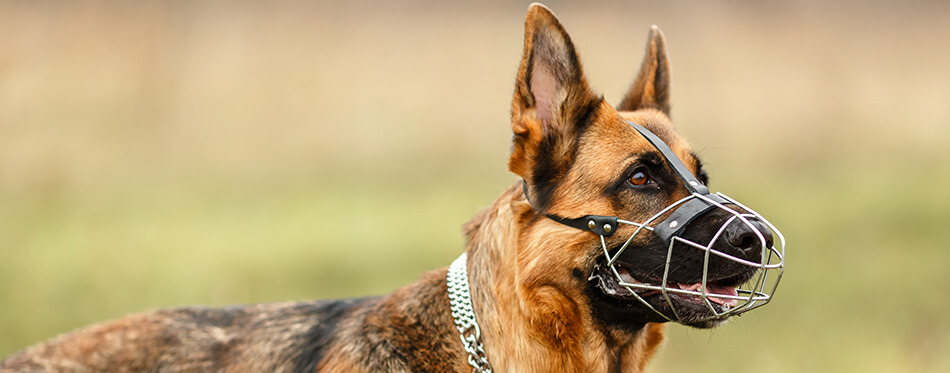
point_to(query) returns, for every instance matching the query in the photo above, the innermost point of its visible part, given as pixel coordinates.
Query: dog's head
(676, 252)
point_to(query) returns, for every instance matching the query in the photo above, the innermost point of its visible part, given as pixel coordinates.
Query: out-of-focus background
(163, 153)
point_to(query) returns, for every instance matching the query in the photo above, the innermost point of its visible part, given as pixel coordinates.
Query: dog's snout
(747, 239)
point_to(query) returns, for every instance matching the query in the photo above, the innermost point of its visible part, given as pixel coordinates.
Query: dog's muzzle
(754, 293)
(759, 236)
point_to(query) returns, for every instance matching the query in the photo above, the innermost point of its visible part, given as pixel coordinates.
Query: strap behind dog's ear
(602, 225)
(599, 224)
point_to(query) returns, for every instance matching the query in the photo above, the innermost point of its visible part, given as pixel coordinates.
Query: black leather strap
(684, 214)
(602, 225)
(692, 183)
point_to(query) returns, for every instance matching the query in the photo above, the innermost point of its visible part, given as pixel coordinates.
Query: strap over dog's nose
(674, 224)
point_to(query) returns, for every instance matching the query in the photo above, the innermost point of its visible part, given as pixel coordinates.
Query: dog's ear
(552, 98)
(651, 89)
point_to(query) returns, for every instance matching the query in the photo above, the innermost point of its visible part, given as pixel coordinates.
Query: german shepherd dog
(550, 292)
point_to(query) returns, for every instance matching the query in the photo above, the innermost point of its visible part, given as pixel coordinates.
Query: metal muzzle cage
(752, 294)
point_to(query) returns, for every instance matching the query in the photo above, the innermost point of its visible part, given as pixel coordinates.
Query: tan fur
(544, 325)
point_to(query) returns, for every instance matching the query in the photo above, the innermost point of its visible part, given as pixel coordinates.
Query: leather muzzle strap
(602, 225)
(674, 224)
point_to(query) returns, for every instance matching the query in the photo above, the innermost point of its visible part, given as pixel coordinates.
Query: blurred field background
(163, 153)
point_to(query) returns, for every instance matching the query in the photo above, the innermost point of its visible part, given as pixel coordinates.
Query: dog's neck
(551, 329)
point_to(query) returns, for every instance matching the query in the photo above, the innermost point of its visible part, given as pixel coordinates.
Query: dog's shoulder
(410, 330)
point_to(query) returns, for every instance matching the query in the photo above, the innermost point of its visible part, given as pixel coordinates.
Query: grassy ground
(155, 154)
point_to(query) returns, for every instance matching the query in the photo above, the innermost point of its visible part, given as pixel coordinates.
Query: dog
(575, 268)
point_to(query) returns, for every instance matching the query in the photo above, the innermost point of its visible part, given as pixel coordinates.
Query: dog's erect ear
(651, 89)
(552, 98)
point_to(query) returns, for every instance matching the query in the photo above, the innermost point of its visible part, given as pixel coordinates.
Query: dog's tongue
(715, 289)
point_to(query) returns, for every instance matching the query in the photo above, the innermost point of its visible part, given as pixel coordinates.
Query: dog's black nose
(744, 239)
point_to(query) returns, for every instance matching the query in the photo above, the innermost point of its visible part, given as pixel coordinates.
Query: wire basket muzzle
(721, 304)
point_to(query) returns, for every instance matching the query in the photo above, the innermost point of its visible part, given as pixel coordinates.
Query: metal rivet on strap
(608, 228)
(674, 223)
(591, 224)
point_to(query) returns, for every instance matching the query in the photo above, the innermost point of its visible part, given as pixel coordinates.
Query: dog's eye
(639, 178)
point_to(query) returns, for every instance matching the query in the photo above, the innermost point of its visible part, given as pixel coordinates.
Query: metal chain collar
(463, 314)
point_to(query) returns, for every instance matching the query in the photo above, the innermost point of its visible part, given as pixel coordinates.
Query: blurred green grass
(155, 154)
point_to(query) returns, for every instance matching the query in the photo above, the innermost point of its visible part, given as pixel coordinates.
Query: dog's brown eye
(639, 178)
